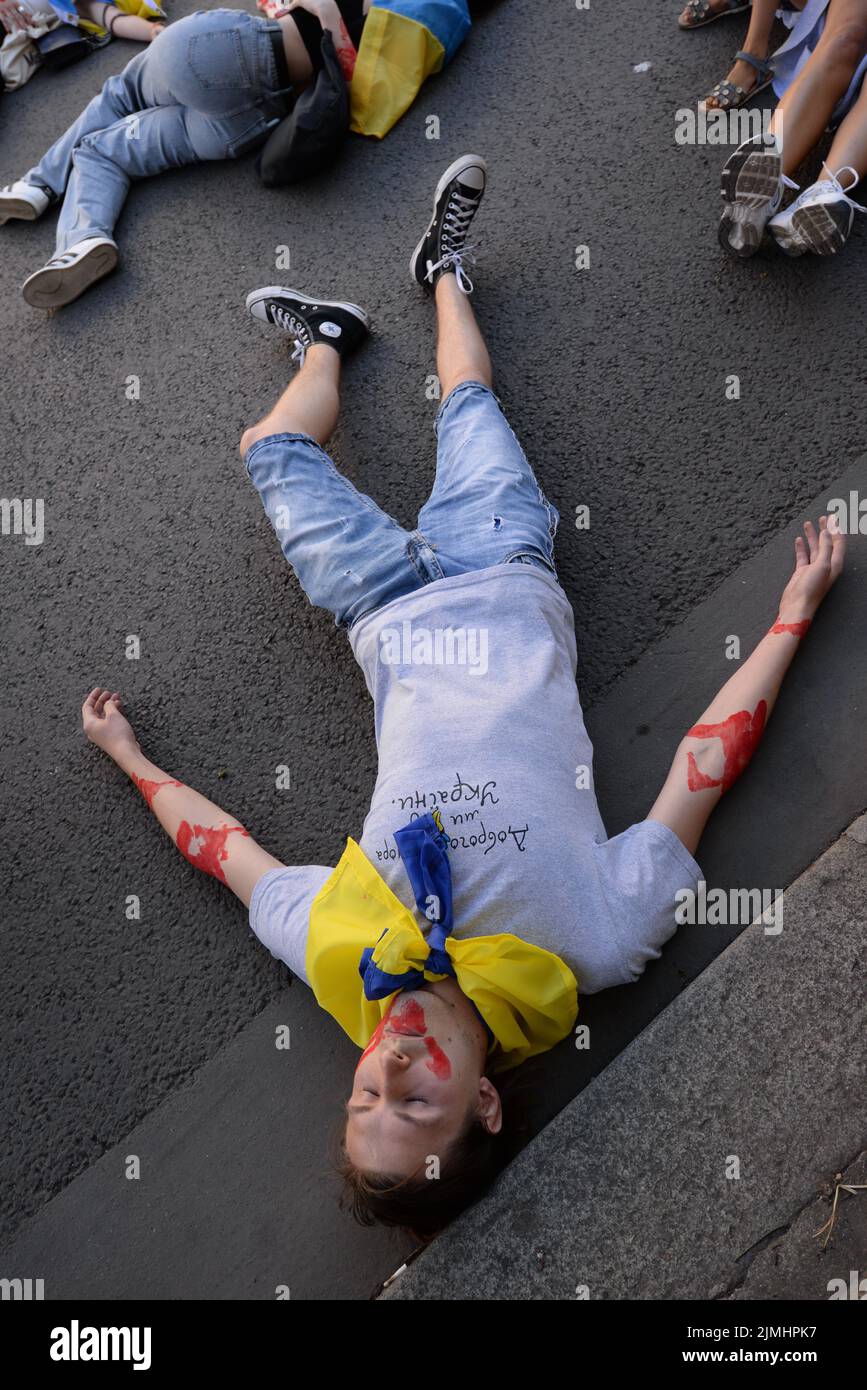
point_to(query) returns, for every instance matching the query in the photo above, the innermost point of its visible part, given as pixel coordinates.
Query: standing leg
(349, 556)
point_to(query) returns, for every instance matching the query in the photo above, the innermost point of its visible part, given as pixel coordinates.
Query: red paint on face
(149, 789)
(410, 1020)
(205, 846)
(739, 735)
(439, 1063)
(375, 1039)
(376, 1035)
(797, 628)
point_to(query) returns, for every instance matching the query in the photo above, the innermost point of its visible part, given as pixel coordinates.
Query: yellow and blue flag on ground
(403, 42)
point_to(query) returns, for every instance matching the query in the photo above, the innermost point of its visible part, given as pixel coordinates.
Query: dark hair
(424, 1206)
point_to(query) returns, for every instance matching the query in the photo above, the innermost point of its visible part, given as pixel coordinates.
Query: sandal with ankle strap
(702, 13)
(729, 95)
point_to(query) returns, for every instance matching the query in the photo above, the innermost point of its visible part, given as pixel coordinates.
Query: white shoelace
(833, 181)
(298, 330)
(831, 184)
(454, 260)
(456, 223)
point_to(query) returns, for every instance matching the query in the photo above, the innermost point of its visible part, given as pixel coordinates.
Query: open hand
(104, 724)
(14, 15)
(818, 562)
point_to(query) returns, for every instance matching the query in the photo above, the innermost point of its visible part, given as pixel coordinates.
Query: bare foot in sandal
(750, 75)
(700, 12)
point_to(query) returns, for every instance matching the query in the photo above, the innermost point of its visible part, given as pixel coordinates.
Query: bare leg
(756, 42)
(310, 403)
(806, 107)
(849, 148)
(461, 351)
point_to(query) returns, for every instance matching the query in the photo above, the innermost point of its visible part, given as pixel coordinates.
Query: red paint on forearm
(205, 846)
(346, 52)
(739, 735)
(798, 629)
(149, 789)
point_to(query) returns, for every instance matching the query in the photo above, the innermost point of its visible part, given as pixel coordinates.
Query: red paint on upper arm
(205, 846)
(739, 735)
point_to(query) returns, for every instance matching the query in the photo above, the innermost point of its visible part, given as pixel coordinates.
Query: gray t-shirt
(477, 715)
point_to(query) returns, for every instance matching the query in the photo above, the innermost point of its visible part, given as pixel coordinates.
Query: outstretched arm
(715, 751)
(119, 24)
(211, 840)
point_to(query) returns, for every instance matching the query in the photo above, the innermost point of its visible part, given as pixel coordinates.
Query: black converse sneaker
(751, 187)
(308, 320)
(443, 248)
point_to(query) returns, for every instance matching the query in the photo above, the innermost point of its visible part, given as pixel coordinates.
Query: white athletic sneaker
(22, 200)
(820, 220)
(752, 186)
(65, 277)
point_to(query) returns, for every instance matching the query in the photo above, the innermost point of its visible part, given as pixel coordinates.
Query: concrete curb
(758, 1065)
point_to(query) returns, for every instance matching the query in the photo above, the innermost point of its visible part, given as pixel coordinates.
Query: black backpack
(310, 138)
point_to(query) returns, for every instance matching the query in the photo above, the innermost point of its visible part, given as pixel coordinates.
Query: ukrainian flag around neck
(362, 937)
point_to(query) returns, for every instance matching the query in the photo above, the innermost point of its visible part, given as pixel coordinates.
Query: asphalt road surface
(613, 376)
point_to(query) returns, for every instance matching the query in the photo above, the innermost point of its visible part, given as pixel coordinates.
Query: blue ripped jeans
(206, 88)
(351, 557)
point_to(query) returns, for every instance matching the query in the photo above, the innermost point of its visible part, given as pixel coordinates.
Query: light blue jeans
(206, 88)
(486, 508)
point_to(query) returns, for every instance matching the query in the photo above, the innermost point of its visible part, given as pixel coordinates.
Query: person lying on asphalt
(211, 87)
(484, 894)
